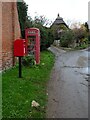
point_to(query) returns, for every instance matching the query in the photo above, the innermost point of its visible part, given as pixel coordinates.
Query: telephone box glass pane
(31, 45)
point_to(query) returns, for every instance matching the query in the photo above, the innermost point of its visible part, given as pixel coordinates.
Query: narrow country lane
(68, 86)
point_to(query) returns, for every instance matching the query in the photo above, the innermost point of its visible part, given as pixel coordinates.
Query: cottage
(58, 27)
(9, 30)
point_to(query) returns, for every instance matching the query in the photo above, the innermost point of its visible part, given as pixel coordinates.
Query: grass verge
(18, 93)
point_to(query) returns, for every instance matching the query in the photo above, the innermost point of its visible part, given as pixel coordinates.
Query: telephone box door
(33, 43)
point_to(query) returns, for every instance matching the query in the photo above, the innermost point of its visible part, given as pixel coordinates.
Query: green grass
(0, 96)
(18, 93)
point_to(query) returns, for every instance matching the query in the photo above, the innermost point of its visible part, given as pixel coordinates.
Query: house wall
(0, 36)
(10, 32)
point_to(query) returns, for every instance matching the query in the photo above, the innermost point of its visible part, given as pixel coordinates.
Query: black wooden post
(20, 67)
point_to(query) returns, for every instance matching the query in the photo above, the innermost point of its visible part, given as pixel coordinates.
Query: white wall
(89, 14)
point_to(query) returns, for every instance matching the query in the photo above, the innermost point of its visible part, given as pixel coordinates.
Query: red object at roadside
(20, 47)
(32, 36)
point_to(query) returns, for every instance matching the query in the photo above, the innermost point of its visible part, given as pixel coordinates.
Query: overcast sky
(69, 10)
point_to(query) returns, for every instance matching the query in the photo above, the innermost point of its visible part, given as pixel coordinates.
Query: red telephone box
(32, 36)
(20, 47)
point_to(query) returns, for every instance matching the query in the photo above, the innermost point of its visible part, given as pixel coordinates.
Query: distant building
(59, 21)
(58, 27)
(10, 31)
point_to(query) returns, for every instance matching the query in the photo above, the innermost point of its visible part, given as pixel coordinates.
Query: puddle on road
(83, 71)
(82, 61)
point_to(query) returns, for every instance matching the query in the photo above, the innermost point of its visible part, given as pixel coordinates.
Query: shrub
(28, 61)
(22, 8)
(85, 40)
(67, 38)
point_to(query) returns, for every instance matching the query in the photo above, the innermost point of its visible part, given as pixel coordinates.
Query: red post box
(32, 36)
(20, 47)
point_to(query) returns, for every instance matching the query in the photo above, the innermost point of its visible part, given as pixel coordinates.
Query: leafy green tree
(56, 30)
(67, 38)
(50, 37)
(29, 22)
(80, 34)
(46, 34)
(39, 22)
(22, 12)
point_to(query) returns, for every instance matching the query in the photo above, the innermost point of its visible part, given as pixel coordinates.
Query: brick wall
(10, 32)
(0, 36)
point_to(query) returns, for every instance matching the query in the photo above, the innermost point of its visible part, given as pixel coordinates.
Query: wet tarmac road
(68, 86)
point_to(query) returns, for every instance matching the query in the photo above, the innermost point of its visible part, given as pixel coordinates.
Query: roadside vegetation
(18, 93)
(76, 38)
(39, 22)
